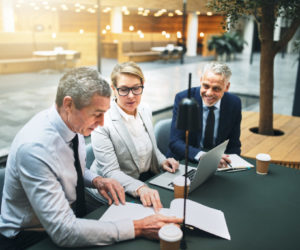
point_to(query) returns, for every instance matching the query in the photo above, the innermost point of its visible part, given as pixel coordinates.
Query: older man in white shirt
(42, 183)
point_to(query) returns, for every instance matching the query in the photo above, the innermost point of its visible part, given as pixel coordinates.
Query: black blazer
(229, 126)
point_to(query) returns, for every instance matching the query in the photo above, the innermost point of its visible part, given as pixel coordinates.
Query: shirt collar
(217, 105)
(126, 116)
(60, 125)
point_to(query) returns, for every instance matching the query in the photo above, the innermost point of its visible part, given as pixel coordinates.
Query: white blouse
(140, 138)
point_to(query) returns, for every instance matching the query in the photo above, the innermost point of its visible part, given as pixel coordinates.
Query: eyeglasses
(124, 91)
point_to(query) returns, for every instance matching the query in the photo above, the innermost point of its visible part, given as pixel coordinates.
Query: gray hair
(81, 84)
(219, 69)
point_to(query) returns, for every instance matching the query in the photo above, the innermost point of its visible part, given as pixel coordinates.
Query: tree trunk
(266, 90)
(266, 70)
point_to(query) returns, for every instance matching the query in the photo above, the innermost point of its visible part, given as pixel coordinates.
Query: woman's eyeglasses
(124, 91)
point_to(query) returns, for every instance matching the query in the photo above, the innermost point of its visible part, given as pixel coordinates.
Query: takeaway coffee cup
(170, 236)
(262, 163)
(178, 183)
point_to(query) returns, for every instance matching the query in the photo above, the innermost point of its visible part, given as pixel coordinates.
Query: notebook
(207, 166)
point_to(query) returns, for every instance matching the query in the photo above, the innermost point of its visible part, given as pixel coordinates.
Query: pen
(236, 170)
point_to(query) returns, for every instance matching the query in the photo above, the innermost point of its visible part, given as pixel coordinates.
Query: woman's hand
(149, 197)
(170, 165)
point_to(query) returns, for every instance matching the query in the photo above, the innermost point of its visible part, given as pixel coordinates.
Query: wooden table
(169, 48)
(49, 53)
(284, 150)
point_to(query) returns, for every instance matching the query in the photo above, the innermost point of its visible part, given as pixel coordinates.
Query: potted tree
(265, 14)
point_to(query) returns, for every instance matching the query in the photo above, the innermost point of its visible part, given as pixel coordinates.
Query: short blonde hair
(130, 68)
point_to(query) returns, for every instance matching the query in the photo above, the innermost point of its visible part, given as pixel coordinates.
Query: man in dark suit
(220, 115)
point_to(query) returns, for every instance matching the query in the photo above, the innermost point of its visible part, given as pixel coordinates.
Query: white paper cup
(262, 163)
(170, 236)
(178, 183)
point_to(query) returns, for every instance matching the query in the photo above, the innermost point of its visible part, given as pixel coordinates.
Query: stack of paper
(205, 218)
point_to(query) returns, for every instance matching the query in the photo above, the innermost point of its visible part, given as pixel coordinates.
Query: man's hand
(148, 227)
(224, 161)
(170, 165)
(110, 189)
(149, 197)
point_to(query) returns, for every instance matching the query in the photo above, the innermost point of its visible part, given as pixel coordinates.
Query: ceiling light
(201, 34)
(209, 13)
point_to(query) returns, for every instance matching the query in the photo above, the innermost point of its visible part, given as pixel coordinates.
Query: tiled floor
(23, 95)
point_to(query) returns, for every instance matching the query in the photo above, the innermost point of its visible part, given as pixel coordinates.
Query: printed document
(197, 215)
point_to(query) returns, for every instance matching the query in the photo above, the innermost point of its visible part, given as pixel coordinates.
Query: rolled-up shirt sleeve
(41, 183)
(88, 177)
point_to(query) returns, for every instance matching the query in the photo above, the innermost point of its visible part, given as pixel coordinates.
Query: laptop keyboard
(190, 174)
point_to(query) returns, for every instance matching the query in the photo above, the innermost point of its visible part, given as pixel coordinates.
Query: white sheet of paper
(237, 162)
(205, 218)
(128, 211)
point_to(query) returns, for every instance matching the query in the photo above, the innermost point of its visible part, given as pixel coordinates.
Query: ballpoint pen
(236, 170)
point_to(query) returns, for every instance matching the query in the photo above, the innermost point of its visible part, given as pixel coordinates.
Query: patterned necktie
(208, 142)
(80, 209)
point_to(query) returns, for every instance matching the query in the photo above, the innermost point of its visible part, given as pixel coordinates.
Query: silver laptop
(207, 166)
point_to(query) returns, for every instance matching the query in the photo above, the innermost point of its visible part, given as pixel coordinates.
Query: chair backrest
(2, 175)
(162, 134)
(90, 157)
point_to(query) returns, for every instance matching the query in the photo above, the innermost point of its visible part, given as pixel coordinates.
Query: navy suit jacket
(229, 126)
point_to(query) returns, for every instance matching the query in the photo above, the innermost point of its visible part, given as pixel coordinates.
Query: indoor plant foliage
(265, 13)
(226, 45)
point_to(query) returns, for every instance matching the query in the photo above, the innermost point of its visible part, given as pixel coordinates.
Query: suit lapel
(148, 124)
(198, 98)
(222, 119)
(123, 132)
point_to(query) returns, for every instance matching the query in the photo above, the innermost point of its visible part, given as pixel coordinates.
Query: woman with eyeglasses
(125, 147)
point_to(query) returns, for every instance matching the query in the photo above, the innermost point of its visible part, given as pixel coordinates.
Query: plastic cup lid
(170, 233)
(179, 181)
(263, 157)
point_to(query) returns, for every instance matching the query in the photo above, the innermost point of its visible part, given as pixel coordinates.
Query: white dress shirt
(40, 185)
(140, 138)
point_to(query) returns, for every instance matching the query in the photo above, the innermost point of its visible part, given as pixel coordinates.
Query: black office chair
(165, 55)
(175, 54)
(162, 134)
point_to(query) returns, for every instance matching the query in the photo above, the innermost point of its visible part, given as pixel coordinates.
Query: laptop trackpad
(167, 178)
